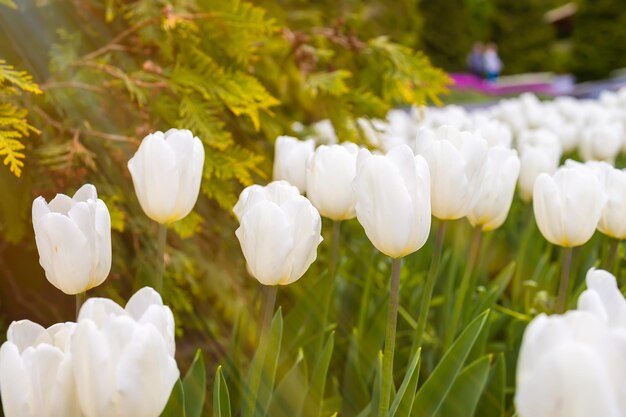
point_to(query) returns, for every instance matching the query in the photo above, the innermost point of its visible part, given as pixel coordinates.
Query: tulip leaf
(175, 406)
(495, 290)
(434, 391)
(492, 403)
(467, 389)
(378, 385)
(403, 402)
(194, 385)
(315, 397)
(288, 398)
(221, 399)
(263, 367)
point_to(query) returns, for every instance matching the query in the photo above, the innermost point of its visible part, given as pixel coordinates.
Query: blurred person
(475, 60)
(491, 62)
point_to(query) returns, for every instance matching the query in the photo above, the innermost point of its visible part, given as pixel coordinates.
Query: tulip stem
(566, 267)
(390, 338)
(269, 302)
(80, 299)
(161, 242)
(429, 286)
(334, 254)
(609, 263)
(464, 287)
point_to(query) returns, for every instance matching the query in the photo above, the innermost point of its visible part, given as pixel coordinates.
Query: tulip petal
(146, 374)
(15, 386)
(266, 242)
(63, 253)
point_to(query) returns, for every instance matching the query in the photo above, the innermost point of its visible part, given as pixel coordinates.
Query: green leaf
(194, 386)
(268, 375)
(434, 391)
(176, 404)
(332, 83)
(315, 397)
(403, 402)
(378, 385)
(288, 399)
(253, 398)
(492, 403)
(467, 389)
(221, 399)
(494, 292)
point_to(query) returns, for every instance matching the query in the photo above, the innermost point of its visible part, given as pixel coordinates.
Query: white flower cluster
(113, 362)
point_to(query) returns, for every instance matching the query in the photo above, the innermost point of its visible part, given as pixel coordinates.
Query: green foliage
(445, 35)
(599, 40)
(13, 123)
(523, 36)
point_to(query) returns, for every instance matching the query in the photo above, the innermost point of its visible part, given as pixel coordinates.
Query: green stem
(566, 265)
(429, 286)
(161, 242)
(80, 299)
(516, 286)
(390, 338)
(269, 302)
(365, 297)
(334, 253)
(465, 286)
(609, 262)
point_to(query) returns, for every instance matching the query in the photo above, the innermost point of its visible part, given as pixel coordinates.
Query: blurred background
(238, 74)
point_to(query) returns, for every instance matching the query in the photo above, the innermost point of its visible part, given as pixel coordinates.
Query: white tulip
(573, 365)
(36, 376)
(393, 200)
(568, 205)
(278, 192)
(601, 142)
(563, 369)
(535, 160)
(330, 173)
(290, 157)
(494, 132)
(166, 172)
(123, 365)
(613, 181)
(457, 166)
(279, 233)
(496, 190)
(145, 307)
(73, 237)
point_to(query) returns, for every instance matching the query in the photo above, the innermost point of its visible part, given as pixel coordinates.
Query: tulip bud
(36, 376)
(166, 172)
(457, 165)
(496, 190)
(123, 364)
(393, 200)
(73, 237)
(290, 157)
(568, 205)
(279, 233)
(330, 172)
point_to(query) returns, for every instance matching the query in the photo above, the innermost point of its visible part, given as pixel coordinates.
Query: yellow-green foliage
(13, 123)
(234, 74)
